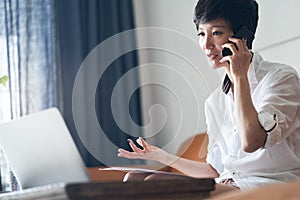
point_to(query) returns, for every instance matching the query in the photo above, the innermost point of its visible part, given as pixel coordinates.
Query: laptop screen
(40, 150)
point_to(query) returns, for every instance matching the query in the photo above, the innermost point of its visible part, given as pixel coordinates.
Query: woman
(253, 119)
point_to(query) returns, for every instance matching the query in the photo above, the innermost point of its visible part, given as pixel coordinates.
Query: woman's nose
(208, 43)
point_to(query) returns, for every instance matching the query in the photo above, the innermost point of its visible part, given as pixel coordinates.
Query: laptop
(41, 151)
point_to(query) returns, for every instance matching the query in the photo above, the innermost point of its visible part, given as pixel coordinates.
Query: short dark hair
(237, 13)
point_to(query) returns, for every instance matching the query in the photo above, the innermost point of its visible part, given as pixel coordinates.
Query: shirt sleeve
(270, 123)
(281, 98)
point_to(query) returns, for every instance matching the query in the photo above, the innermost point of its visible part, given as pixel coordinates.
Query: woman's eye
(200, 34)
(217, 33)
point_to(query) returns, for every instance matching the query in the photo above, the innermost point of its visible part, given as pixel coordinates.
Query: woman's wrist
(167, 158)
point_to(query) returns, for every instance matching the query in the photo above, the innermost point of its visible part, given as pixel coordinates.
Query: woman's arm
(252, 135)
(187, 167)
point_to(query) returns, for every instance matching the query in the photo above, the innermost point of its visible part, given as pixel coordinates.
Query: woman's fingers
(148, 151)
(133, 146)
(245, 45)
(127, 154)
(139, 141)
(144, 144)
(240, 44)
(230, 46)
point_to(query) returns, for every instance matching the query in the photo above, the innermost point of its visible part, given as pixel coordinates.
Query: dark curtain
(81, 26)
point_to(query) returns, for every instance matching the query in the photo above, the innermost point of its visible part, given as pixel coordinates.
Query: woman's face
(212, 36)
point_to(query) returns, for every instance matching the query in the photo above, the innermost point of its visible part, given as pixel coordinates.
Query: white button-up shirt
(275, 89)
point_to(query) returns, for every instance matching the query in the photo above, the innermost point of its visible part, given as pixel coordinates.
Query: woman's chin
(217, 66)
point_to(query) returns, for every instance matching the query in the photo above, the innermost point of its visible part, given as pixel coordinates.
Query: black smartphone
(243, 32)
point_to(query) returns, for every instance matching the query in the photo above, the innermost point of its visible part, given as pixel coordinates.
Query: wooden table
(192, 189)
(196, 189)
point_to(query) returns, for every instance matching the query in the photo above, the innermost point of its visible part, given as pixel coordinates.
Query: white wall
(278, 34)
(185, 86)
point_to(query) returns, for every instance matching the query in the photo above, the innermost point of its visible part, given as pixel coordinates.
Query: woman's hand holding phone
(236, 52)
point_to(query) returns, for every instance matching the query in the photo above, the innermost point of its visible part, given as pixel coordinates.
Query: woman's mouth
(212, 56)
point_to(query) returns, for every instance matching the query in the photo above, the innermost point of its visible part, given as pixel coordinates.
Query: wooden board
(191, 188)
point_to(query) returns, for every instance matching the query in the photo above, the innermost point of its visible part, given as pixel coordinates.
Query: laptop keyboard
(50, 192)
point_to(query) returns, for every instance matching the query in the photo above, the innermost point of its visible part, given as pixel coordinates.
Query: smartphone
(243, 32)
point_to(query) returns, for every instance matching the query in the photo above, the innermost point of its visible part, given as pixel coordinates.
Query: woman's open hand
(148, 152)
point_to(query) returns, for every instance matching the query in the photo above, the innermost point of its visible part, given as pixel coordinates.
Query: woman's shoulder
(265, 68)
